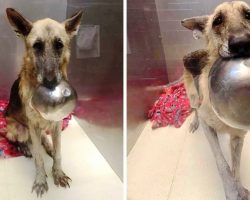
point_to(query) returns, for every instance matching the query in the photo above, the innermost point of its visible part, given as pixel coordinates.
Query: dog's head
(47, 44)
(227, 30)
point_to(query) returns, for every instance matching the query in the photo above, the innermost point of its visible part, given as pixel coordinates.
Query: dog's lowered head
(227, 30)
(47, 45)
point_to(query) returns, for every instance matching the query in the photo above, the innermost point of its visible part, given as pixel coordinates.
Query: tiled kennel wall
(147, 70)
(177, 40)
(96, 71)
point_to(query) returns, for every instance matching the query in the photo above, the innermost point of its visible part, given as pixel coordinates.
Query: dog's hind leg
(16, 132)
(60, 178)
(18, 136)
(23, 148)
(236, 144)
(233, 190)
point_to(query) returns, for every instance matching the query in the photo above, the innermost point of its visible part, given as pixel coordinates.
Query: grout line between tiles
(83, 133)
(146, 125)
(7, 185)
(177, 165)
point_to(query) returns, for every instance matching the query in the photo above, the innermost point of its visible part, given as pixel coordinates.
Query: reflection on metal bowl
(229, 91)
(54, 104)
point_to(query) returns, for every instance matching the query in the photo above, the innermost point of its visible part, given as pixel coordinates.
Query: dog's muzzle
(51, 78)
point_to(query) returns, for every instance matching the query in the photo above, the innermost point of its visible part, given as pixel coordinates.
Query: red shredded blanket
(6, 149)
(172, 107)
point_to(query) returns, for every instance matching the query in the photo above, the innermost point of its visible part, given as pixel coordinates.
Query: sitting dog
(227, 34)
(47, 44)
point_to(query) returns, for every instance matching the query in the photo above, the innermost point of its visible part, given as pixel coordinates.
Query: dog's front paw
(243, 194)
(193, 126)
(60, 178)
(40, 185)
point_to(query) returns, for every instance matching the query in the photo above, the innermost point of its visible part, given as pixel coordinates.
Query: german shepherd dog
(47, 45)
(227, 34)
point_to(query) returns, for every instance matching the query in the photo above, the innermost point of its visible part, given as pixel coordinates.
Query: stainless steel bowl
(229, 91)
(54, 104)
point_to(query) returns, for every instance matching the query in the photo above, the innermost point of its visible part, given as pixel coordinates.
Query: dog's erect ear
(21, 25)
(196, 24)
(72, 24)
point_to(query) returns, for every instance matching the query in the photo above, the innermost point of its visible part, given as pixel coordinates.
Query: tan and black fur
(227, 34)
(47, 53)
(194, 62)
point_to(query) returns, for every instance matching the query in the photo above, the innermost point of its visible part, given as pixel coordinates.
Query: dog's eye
(58, 44)
(247, 14)
(218, 20)
(38, 45)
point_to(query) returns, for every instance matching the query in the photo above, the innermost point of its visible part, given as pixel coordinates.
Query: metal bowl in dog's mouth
(229, 91)
(54, 103)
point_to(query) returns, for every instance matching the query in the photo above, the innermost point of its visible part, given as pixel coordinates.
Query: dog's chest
(35, 118)
(32, 115)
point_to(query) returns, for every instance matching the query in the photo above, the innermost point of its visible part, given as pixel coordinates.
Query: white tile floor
(93, 178)
(173, 164)
(109, 141)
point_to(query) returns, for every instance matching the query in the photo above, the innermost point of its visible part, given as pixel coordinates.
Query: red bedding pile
(172, 107)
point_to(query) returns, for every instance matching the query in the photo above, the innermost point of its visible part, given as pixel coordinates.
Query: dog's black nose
(49, 83)
(239, 44)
